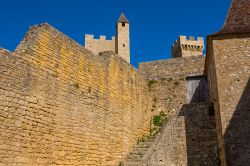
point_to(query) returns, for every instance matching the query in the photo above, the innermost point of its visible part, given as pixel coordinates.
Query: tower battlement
(187, 46)
(99, 45)
(101, 38)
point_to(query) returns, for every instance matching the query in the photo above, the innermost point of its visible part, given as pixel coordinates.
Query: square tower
(184, 47)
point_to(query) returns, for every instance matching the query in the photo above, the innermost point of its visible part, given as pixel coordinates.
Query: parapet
(4, 51)
(187, 46)
(99, 45)
(101, 38)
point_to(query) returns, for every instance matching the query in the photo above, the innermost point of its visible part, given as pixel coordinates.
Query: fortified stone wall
(229, 75)
(167, 81)
(99, 45)
(186, 66)
(189, 138)
(62, 105)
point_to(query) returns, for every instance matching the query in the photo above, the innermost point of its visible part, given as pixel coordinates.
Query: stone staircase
(135, 157)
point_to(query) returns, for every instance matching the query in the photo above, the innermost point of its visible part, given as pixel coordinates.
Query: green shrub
(158, 121)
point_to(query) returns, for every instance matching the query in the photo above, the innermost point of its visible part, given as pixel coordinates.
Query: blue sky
(154, 24)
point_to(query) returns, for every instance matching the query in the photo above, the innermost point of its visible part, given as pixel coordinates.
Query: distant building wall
(99, 45)
(185, 47)
(167, 81)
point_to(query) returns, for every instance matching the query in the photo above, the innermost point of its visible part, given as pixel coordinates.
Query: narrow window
(123, 45)
(123, 24)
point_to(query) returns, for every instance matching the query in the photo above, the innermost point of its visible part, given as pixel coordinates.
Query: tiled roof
(238, 18)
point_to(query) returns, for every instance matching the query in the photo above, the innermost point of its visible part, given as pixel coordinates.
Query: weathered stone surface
(228, 68)
(62, 105)
(167, 81)
(4, 51)
(189, 138)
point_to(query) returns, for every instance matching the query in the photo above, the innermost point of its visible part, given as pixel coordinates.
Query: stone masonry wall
(189, 138)
(62, 105)
(186, 66)
(231, 59)
(167, 81)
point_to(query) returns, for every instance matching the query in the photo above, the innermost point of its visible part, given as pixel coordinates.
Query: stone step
(151, 138)
(142, 145)
(133, 163)
(139, 151)
(135, 156)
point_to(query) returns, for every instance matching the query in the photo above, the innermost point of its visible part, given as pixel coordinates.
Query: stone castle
(62, 103)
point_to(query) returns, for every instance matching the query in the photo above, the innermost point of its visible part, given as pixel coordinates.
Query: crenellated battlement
(187, 46)
(100, 44)
(101, 38)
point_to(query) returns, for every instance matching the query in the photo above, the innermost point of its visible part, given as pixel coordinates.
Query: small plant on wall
(157, 122)
(154, 103)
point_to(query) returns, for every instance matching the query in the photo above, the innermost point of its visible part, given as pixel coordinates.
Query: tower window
(123, 45)
(123, 24)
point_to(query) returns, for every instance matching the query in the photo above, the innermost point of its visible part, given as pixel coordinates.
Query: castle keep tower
(120, 44)
(184, 47)
(122, 38)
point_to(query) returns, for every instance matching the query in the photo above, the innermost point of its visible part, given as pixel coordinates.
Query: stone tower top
(123, 19)
(190, 46)
(120, 44)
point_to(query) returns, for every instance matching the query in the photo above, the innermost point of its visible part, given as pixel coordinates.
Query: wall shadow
(237, 134)
(200, 128)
